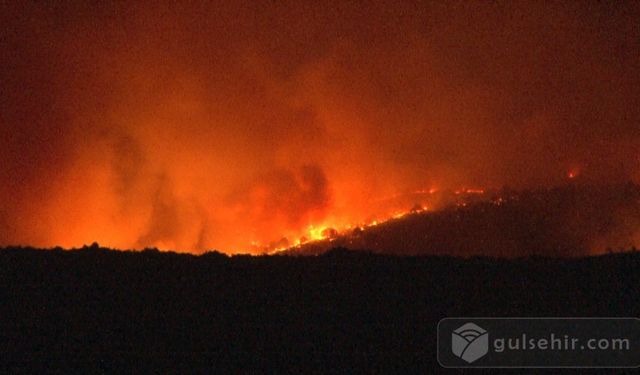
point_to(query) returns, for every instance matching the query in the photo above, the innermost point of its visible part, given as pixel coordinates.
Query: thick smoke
(202, 125)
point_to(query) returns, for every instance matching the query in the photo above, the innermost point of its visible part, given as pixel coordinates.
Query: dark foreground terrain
(105, 311)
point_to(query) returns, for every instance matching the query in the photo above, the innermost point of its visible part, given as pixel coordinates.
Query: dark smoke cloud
(139, 124)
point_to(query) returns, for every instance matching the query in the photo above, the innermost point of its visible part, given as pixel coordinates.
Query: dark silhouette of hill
(96, 310)
(571, 220)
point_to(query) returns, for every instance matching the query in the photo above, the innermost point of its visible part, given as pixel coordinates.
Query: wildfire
(432, 190)
(330, 230)
(469, 191)
(574, 172)
(317, 233)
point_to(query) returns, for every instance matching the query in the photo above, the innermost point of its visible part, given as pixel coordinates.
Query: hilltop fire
(424, 198)
(569, 220)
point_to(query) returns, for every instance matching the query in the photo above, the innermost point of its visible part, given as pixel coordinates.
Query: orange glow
(249, 127)
(469, 191)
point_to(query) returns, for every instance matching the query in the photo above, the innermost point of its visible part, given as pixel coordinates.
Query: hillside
(571, 220)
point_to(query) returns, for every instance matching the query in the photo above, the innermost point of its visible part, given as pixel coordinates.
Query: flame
(316, 233)
(385, 209)
(469, 191)
(320, 231)
(574, 172)
(328, 230)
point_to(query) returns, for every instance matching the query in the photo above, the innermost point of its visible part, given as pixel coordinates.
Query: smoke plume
(198, 125)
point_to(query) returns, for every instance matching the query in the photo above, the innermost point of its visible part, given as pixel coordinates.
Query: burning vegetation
(572, 220)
